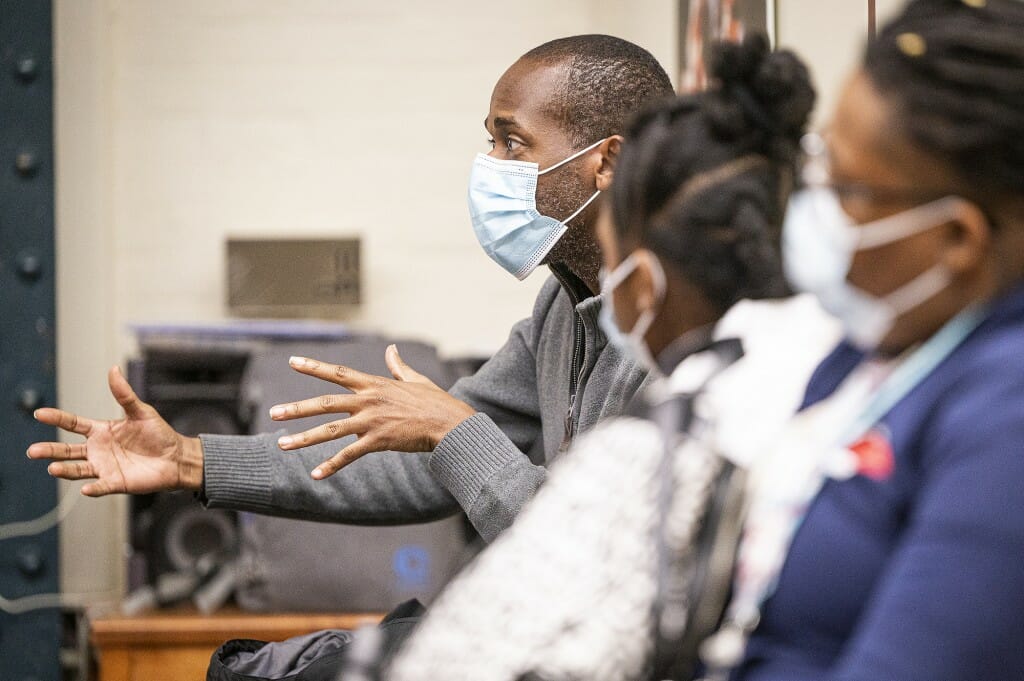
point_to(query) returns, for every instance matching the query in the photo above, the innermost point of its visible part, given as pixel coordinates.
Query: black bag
(710, 582)
(697, 584)
(321, 656)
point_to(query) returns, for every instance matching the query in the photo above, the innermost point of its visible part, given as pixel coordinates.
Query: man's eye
(511, 145)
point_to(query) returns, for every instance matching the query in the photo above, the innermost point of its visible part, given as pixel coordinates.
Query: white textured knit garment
(568, 590)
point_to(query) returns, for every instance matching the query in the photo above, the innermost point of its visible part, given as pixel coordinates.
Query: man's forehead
(526, 92)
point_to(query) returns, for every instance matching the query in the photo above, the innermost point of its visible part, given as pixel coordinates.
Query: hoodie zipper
(576, 375)
(576, 366)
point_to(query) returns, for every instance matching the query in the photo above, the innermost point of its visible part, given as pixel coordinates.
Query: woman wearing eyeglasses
(903, 559)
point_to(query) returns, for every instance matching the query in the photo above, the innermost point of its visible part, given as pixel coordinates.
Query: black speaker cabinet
(224, 381)
(198, 390)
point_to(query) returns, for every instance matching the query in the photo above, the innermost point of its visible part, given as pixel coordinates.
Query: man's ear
(609, 156)
(971, 239)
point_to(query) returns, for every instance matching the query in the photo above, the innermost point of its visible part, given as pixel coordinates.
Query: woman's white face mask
(819, 241)
(632, 343)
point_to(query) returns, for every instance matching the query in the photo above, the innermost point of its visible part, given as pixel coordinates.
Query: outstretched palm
(138, 454)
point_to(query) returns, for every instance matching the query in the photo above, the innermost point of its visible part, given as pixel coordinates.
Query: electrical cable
(25, 528)
(19, 606)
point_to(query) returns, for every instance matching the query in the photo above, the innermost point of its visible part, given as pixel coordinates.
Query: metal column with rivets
(30, 639)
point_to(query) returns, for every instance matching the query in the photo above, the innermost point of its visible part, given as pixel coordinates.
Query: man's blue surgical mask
(503, 208)
(819, 241)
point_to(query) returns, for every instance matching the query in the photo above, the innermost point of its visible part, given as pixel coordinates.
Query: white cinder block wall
(182, 123)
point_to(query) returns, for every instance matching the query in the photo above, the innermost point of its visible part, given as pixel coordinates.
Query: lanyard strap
(918, 366)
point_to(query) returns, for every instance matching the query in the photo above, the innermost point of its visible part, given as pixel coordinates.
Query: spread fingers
(65, 420)
(57, 451)
(356, 450)
(325, 404)
(344, 376)
(329, 431)
(71, 470)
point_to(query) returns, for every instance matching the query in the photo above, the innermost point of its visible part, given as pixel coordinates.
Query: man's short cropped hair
(609, 79)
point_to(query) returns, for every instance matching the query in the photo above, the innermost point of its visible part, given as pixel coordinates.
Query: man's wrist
(458, 415)
(190, 466)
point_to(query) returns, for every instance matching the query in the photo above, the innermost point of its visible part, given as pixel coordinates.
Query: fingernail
(276, 412)
(284, 441)
(297, 361)
(317, 473)
(35, 414)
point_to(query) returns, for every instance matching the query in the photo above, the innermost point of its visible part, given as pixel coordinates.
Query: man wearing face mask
(555, 120)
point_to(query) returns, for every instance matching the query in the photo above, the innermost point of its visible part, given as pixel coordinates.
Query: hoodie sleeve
(479, 466)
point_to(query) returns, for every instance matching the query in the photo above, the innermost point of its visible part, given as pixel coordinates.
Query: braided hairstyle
(703, 179)
(954, 70)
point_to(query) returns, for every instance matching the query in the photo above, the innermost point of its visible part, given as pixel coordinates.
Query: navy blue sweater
(917, 574)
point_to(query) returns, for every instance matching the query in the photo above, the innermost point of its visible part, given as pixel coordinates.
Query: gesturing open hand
(138, 454)
(407, 414)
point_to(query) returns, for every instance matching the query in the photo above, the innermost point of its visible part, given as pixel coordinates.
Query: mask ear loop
(571, 158)
(907, 223)
(647, 317)
(919, 289)
(618, 275)
(562, 163)
(581, 208)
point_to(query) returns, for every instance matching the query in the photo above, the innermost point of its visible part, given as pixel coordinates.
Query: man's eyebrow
(502, 123)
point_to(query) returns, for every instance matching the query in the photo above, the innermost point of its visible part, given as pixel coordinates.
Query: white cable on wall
(25, 528)
(17, 606)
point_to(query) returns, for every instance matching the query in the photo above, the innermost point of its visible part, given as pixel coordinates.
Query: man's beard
(577, 249)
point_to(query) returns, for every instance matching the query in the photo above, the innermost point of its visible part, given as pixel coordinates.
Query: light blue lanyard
(918, 366)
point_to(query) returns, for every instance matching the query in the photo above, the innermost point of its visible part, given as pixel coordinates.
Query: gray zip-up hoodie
(555, 376)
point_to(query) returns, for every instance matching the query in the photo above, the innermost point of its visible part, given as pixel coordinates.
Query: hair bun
(760, 88)
(733, 62)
